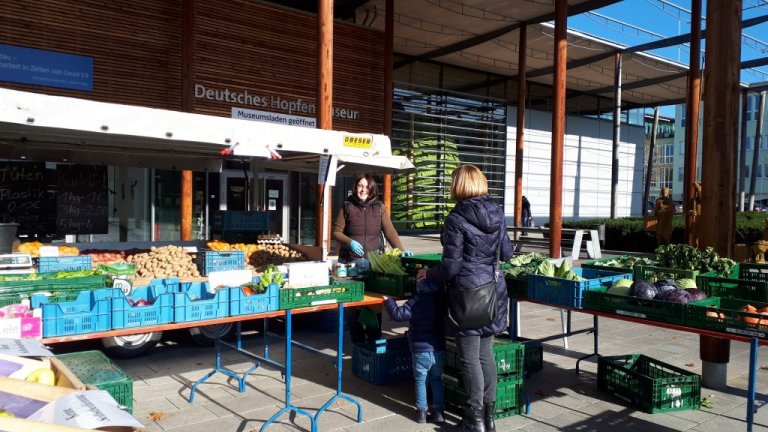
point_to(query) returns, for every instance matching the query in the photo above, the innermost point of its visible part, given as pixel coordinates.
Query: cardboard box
(21, 328)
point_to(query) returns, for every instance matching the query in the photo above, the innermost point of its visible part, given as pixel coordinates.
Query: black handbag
(474, 308)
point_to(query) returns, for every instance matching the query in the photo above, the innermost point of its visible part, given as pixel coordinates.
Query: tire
(206, 335)
(131, 346)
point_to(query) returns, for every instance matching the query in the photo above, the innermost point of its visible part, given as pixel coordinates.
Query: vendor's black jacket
(471, 234)
(426, 314)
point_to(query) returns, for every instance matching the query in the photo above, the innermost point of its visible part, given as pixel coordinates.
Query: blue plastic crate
(195, 303)
(64, 263)
(391, 366)
(245, 221)
(159, 311)
(568, 293)
(166, 285)
(90, 312)
(211, 261)
(243, 304)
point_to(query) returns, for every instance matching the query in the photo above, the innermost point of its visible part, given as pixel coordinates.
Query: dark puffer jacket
(426, 315)
(471, 234)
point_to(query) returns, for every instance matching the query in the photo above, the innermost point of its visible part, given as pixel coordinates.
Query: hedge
(627, 234)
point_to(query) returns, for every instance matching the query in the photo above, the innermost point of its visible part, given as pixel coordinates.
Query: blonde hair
(468, 182)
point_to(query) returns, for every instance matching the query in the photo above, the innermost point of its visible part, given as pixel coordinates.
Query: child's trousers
(428, 370)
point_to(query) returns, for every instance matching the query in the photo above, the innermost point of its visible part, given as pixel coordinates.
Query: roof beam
(663, 43)
(479, 39)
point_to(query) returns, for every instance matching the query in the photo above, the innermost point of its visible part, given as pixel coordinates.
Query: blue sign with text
(45, 68)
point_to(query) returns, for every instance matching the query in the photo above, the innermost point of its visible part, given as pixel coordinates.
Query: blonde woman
(474, 238)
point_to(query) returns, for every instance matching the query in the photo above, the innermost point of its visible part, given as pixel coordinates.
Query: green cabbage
(685, 283)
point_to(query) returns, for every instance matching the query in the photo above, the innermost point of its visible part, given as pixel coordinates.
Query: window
(750, 141)
(759, 171)
(680, 174)
(682, 147)
(746, 171)
(682, 116)
(669, 154)
(753, 101)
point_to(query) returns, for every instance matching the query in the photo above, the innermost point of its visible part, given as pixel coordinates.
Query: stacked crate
(509, 357)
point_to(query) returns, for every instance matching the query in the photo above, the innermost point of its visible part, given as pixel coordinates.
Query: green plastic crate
(652, 273)
(339, 292)
(534, 355)
(510, 399)
(421, 261)
(389, 284)
(649, 384)
(48, 282)
(753, 272)
(726, 316)
(508, 354)
(96, 369)
(654, 310)
(739, 284)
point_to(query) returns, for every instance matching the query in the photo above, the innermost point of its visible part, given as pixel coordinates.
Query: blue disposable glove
(407, 254)
(356, 247)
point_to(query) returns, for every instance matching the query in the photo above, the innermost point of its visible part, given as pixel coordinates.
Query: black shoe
(421, 416)
(488, 411)
(435, 416)
(472, 420)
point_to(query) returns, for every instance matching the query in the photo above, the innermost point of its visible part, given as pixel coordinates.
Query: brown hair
(468, 182)
(373, 190)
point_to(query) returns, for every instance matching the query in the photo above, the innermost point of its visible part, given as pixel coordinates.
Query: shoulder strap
(498, 256)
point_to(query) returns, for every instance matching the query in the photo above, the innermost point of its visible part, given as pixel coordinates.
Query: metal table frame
(286, 368)
(754, 343)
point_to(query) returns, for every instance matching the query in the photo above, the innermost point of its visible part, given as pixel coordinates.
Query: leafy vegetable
(546, 268)
(685, 283)
(522, 265)
(696, 294)
(685, 257)
(675, 296)
(643, 289)
(625, 262)
(387, 262)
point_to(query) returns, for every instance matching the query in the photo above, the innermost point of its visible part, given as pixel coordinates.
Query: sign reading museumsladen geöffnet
(45, 68)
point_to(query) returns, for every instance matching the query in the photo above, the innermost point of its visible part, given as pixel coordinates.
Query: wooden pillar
(324, 106)
(187, 105)
(719, 149)
(389, 42)
(558, 129)
(693, 102)
(616, 133)
(522, 49)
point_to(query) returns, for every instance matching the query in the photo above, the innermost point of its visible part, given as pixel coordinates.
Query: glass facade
(439, 131)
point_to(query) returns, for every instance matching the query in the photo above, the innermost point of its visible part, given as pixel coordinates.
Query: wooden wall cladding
(239, 45)
(272, 53)
(135, 45)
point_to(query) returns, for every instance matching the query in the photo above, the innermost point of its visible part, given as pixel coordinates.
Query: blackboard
(24, 197)
(82, 205)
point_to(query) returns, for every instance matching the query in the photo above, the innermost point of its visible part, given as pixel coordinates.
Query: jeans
(478, 368)
(428, 368)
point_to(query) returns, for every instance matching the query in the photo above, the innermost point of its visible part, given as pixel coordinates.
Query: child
(426, 313)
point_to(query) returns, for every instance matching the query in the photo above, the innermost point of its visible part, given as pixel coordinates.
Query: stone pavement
(560, 400)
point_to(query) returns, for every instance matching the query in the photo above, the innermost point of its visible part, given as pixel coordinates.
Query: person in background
(358, 229)
(426, 335)
(663, 210)
(471, 240)
(526, 213)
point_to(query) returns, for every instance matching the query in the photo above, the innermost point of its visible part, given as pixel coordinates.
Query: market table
(369, 299)
(754, 342)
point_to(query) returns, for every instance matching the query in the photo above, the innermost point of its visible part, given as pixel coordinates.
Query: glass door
(274, 197)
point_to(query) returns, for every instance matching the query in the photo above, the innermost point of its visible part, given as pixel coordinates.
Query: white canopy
(44, 127)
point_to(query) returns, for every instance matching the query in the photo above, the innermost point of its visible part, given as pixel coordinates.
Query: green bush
(627, 234)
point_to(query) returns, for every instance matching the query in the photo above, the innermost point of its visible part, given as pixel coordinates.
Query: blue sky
(642, 21)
